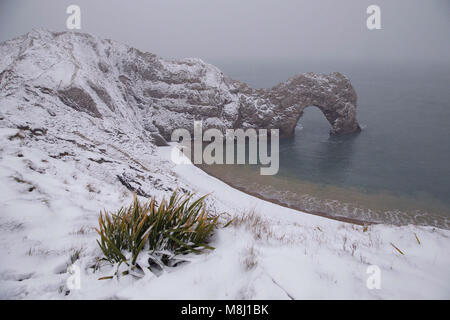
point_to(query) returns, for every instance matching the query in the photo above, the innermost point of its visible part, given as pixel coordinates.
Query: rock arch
(282, 106)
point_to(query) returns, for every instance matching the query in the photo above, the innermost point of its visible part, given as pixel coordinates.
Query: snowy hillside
(75, 141)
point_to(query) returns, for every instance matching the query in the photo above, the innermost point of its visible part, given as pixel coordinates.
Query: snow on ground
(60, 166)
(49, 207)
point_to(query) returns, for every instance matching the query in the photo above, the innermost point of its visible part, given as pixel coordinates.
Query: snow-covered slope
(49, 207)
(76, 140)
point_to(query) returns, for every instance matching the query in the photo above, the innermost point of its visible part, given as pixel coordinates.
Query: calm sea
(397, 170)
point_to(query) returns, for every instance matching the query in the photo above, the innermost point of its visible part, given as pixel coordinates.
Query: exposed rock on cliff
(105, 79)
(282, 106)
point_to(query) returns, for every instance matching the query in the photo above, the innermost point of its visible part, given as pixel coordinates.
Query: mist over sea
(397, 170)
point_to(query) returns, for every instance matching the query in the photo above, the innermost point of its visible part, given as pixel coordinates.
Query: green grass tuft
(171, 228)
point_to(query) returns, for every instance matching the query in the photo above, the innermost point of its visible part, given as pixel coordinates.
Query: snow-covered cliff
(80, 120)
(103, 79)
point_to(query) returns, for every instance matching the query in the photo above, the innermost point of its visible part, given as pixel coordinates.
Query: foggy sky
(413, 31)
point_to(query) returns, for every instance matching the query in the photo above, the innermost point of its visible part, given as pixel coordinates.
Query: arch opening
(313, 118)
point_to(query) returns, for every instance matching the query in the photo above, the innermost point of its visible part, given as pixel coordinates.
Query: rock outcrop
(282, 106)
(104, 79)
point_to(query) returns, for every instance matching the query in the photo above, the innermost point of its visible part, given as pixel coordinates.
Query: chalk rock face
(282, 106)
(69, 72)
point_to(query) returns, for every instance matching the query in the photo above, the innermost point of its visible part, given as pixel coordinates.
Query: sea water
(397, 170)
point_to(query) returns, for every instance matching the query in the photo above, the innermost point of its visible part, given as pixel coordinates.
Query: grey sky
(413, 30)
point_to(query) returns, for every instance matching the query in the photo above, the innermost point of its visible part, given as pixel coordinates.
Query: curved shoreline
(277, 202)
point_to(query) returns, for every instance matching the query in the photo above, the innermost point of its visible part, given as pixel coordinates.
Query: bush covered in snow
(158, 231)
